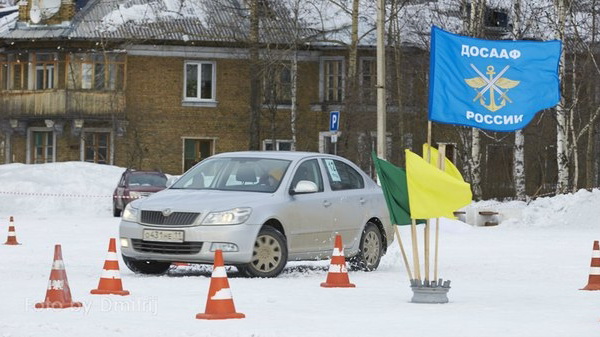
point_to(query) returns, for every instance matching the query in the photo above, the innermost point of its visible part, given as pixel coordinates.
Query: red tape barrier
(65, 195)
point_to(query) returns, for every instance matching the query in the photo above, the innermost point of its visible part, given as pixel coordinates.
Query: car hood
(145, 189)
(179, 200)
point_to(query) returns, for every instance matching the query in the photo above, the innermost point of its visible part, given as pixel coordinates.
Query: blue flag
(491, 85)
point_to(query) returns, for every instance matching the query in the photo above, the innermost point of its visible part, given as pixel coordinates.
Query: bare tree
(519, 146)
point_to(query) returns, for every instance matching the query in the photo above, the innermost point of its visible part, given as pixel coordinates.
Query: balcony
(62, 103)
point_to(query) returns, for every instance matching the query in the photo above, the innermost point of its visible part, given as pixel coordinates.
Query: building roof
(168, 20)
(319, 22)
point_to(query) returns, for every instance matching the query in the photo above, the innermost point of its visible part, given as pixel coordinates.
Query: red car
(136, 184)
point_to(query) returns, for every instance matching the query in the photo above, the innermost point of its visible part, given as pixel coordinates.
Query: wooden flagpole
(426, 228)
(442, 166)
(415, 242)
(410, 277)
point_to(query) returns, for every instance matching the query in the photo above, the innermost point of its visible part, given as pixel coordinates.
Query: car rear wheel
(146, 267)
(269, 255)
(370, 249)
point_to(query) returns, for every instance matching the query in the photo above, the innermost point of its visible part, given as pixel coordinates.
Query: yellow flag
(433, 193)
(448, 165)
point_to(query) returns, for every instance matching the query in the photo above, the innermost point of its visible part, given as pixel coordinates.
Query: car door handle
(326, 203)
(362, 201)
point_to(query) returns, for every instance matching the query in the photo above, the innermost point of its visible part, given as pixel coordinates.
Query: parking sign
(334, 121)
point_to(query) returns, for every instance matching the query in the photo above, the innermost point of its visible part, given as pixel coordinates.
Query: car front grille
(174, 219)
(176, 248)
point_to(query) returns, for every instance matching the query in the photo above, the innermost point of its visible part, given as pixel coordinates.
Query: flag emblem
(492, 85)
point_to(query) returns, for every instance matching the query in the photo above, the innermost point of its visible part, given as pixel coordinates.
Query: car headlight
(130, 213)
(135, 195)
(230, 217)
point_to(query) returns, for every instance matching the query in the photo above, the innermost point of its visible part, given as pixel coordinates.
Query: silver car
(261, 209)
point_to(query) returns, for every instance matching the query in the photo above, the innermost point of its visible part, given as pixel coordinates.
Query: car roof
(288, 155)
(145, 172)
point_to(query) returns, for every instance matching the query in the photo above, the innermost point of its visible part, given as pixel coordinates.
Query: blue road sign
(334, 121)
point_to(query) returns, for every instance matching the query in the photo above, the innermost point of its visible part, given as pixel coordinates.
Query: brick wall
(158, 121)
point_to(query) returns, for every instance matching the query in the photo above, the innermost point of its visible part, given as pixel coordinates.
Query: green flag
(395, 190)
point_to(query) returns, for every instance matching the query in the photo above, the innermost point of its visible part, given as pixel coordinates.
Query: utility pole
(381, 112)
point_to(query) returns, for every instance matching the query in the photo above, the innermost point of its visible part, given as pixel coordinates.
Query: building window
(42, 146)
(327, 143)
(280, 145)
(96, 147)
(45, 67)
(333, 80)
(495, 18)
(15, 71)
(199, 81)
(196, 150)
(368, 80)
(277, 85)
(96, 71)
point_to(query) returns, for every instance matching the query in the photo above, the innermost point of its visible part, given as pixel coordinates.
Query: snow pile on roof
(69, 187)
(151, 12)
(9, 21)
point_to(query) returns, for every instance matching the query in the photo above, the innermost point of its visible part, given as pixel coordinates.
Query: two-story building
(94, 83)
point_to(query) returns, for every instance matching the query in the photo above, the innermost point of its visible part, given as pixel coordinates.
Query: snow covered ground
(520, 278)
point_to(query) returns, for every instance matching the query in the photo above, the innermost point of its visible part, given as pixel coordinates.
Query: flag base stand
(430, 292)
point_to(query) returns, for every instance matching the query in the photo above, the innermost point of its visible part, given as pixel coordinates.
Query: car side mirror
(305, 186)
(172, 180)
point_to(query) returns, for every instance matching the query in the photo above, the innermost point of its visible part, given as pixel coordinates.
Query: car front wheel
(146, 267)
(371, 249)
(269, 255)
(116, 211)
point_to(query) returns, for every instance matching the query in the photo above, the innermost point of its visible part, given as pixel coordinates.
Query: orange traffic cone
(12, 237)
(58, 295)
(338, 273)
(219, 304)
(594, 280)
(110, 280)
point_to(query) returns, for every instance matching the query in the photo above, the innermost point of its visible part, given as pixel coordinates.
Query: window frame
(212, 140)
(30, 149)
(371, 97)
(283, 88)
(49, 71)
(323, 78)
(111, 63)
(278, 143)
(111, 147)
(199, 98)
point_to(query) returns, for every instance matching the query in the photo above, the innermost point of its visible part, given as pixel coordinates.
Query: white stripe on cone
(219, 272)
(111, 274)
(338, 252)
(58, 265)
(112, 256)
(595, 271)
(337, 268)
(596, 253)
(56, 284)
(223, 294)
(11, 233)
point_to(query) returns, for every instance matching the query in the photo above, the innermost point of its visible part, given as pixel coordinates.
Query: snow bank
(68, 187)
(580, 209)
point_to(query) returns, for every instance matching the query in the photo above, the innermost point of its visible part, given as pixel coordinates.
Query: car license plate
(163, 236)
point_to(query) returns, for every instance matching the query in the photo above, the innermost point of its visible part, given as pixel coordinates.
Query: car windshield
(147, 180)
(235, 174)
